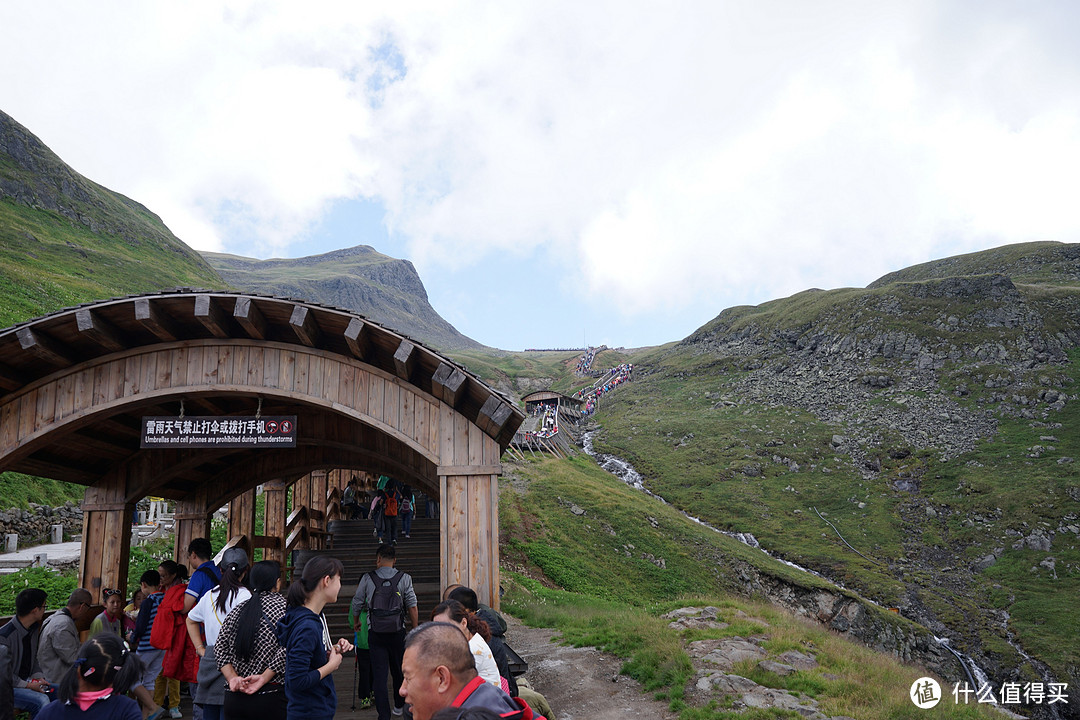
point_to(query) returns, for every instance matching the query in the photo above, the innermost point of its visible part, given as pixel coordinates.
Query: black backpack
(385, 613)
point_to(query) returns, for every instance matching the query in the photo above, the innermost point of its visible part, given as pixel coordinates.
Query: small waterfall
(626, 472)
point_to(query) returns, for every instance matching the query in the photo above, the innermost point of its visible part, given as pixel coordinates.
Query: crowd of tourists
(247, 652)
(137, 656)
(385, 504)
(584, 363)
(611, 380)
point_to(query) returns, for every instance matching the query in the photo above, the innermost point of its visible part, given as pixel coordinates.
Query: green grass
(58, 586)
(19, 490)
(47, 263)
(595, 594)
(717, 463)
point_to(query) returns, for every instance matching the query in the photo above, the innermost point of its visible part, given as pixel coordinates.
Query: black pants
(386, 651)
(270, 704)
(364, 684)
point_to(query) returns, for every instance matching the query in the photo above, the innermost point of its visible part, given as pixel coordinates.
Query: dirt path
(580, 683)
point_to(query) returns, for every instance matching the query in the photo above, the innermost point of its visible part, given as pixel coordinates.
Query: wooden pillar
(319, 485)
(302, 492)
(106, 542)
(242, 517)
(469, 543)
(318, 505)
(276, 492)
(192, 520)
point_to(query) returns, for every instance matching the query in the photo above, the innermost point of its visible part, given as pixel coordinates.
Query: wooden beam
(275, 492)
(211, 316)
(250, 318)
(207, 405)
(447, 384)
(242, 515)
(493, 415)
(156, 321)
(114, 426)
(43, 347)
(268, 542)
(56, 471)
(99, 330)
(303, 324)
(356, 337)
(470, 470)
(405, 359)
(10, 379)
(100, 443)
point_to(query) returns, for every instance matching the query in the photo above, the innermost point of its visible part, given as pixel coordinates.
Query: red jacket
(170, 626)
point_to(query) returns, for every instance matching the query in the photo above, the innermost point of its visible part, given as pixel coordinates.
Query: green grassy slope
(603, 562)
(65, 240)
(1046, 263)
(47, 263)
(758, 466)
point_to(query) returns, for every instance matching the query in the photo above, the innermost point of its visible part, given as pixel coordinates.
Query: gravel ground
(580, 683)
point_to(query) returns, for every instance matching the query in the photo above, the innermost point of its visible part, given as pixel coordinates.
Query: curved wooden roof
(541, 395)
(32, 352)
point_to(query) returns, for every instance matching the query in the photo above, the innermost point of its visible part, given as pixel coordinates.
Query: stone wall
(33, 525)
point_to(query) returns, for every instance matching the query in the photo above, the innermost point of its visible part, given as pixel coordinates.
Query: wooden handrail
(269, 542)
(295, 537)
(333, 511)
(298, 514)
(241, 541)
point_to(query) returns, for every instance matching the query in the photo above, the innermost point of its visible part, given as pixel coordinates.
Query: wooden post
(319, 485)
(192, 520)
(469, 545)
(106, 542)
(276, 492)
(242, 517)
(302, 498)
(318, 504)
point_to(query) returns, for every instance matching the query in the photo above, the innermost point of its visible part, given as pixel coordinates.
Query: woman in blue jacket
(312, 657)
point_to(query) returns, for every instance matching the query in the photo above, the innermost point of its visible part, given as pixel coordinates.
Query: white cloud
(671, 155)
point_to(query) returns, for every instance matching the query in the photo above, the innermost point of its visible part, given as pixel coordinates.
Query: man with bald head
(439, 672)
(59, 644)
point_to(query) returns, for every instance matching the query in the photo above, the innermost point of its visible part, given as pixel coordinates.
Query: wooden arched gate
(77, 384)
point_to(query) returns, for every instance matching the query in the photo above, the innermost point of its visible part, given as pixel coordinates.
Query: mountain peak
(361, 279)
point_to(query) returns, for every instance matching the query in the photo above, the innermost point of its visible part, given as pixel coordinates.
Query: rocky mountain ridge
(925, 343)
(32, 175)
(361, 279)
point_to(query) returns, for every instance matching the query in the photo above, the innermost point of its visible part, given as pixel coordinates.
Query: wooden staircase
(352, 543)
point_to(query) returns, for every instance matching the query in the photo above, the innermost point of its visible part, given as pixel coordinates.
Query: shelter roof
(31, 352)
(541, 395)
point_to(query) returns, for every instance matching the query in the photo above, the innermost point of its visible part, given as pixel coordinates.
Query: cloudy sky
(569, 172)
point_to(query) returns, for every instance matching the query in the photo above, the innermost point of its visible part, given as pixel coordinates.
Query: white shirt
(484, 660)
(206, 612)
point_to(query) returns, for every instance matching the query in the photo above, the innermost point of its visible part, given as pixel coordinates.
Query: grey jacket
(58, 646)
(12, 636)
